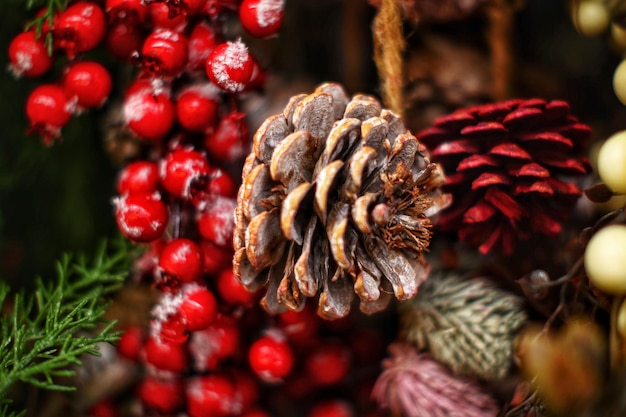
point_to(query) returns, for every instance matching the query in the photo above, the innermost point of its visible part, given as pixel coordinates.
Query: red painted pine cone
(509, 167)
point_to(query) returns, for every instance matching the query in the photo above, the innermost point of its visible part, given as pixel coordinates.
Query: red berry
(230, 140)
(197, 107)
(262, 18)
(28, 55)
(79, 28)
(88, 82)
(220, 183)
(129, 12)
(161, 18)
(164, 53)
(148, 113)
(216, 222)
(181, 259)
(48, 109)
(215, 343)
(271, 358)
(300, 327)
(211, 396)
(202, 41)
(163, 395)
(215, 258)
(232, 291)
(198, 309)
(141, 217)
(123, 40)
(328, 364)
(331, 408)
(247, 389)
(103, 408)
(131, 342)
(184, 172)
(257, 79)
(138, 177)
(165, 355)
(229, 66)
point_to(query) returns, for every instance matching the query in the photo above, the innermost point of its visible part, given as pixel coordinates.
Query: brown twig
(500, 14)
(388, 47)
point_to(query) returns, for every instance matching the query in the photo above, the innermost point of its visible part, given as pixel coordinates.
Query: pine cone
(505, 165)
(468, 325)
(336, 198)
(415, 385)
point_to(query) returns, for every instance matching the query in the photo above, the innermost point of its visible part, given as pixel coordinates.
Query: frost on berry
(141, 217)
(231, 67)
(269, 12)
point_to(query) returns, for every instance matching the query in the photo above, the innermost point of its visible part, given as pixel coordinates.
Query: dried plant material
(566, 367)
(509, 168)
(335, 200)
(599, 193)
(415, 385)
(467, 324)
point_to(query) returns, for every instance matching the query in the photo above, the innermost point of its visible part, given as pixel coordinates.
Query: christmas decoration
(415, 385)
(467, 324)
(335, 177)
(507, 165)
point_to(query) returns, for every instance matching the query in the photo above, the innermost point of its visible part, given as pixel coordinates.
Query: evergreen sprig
(44, 332)
(50, 9)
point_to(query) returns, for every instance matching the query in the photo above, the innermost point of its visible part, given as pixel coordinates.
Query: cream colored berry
(619, 81)
(605, 259)
(618, 37)
(592, 18)
(621, 319)
(611, 162)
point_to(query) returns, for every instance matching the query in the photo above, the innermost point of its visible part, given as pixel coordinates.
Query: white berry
(612, 162)
(605, 259)
(593, 18)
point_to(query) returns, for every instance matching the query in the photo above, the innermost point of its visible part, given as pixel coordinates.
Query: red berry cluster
(210, 350)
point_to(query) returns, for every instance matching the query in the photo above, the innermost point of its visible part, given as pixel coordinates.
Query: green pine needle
(48, 329)
(50, 9)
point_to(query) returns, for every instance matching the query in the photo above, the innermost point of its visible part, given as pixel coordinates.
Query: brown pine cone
(507, 166)
(336, 199)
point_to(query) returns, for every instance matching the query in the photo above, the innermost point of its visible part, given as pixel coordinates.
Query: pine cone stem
(500, 15)
(388, 47)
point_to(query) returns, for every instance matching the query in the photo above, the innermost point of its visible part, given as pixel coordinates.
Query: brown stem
(500, 14)
(388, 47)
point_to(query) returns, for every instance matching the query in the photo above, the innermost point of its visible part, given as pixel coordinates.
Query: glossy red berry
(229, 66)
(214, 258)
(48, 109)
(232, 291)
(181, 259)
(138, 177)
(211, 395)
(215, 343)
(164, 53)
(198, 308)
(257, 79)
(271, 358)
(131, 342)
(230, 141)
(216, 221)
(129, 12)
(141, 217)
(184, 172)
(197, 107)
(331, 408)
(262, 18)
(162, 395)
(161, 18)
(123, 40)
(28, 55)
(221, 183)
(202, 41)
(148, 113)
(165, 355)
(79, 28)
(328, 364)
(300, 327)
(88, 82)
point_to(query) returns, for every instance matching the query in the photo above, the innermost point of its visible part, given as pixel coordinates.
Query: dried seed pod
(468, 325)
(336, 200)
